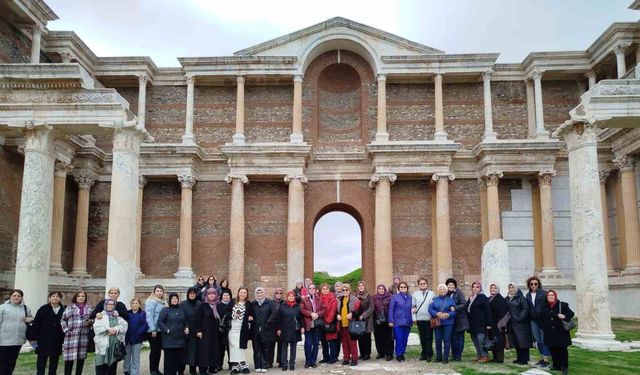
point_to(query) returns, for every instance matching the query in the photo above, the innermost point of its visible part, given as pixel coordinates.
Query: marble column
(184, 258)
(620, 220)
(236, 235)
(142, 100)
(36, 212)
(489, 134)
(531, 108)
(630, 206)
(493, 205)
(440, 134)
(85, 181)
(591, 76)
(604, 175)
(238, 138)
(383, 263)
(541, 132)
(484, 225)
(444, 258)
(59, 185)
(590, 264)
(536, 217)
(142, 181)
(123, 207)
(296, 133)
(36, 37)
(620, 60)
(381, 130)
(549, 265)
(295, 229)
(187, 137)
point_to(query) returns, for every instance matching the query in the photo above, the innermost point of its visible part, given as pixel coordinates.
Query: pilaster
(440, 134)
(604, 175)
(381, 131)
(187, 137)
(142, 100)
(239, 138)
(489, 134)
(296, 133)
(541, 132)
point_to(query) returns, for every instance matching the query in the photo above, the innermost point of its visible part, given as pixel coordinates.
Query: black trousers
(260, 353)
(275, 349)
(155, 352)
(41, 364)
(364, 344)
(107, 370)
(426, 338)
(173, 360)
(8, 358)
(223, 346)
(560, 357)
(384, 340)
(68, 367)
(522, 355)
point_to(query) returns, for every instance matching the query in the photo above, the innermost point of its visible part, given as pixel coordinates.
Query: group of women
(209, 325)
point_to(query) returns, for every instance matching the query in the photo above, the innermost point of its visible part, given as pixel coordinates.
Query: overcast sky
(337, 244)
(166, 29)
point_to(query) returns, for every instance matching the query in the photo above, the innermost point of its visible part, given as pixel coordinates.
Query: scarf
(364, 294)
(171, 295)
(276, 299)
(473, 296)
(515, 292)
(325, 298)
(291, 303)
(494, 295)
(81, 307)
(212, 302)
(554, 303)
(193, 301)
(380, 300)
(109, 312)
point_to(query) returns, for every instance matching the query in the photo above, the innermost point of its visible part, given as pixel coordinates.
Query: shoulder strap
(559, 307)
(425, 298)
(25, 310)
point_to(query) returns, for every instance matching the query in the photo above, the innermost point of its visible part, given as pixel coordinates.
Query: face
(200, 280)
(338, 287)
(551, 297)
(16, 298)
(81, 298)
(192, 295)
(396, 280)
(325, 290)
(346, 290)
(422, 284)
(380, 289)
(493, 290)
(361, 287)
(114, 294)
(403, 288)
(312, 289)
(135, 305)
(475, 288)
(211, 280)
(224, 284)
(442, 291)
(278, 294)
(259, 294)
(158, 292)
(534, 284)
(211, 296)
(451, 287)
(175, 300)
(54, 299)
(291, 297)
(299, 285)
(226, 297)
(110, 305)
(512, 289)
(242, 294)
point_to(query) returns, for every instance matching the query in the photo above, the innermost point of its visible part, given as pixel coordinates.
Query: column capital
(381, 77)
(448, 176)
(298, 78)
(625, 162)
(240, 79)
(128, 138)
(190, 78)
(536, 75)
(236, 176)
(604, 175)
(302, 178)
(482, 184)
(545, 177)
(486, 75)
(85, 179)
(62, 168)
(187, 180)
(492, 178)
(590, 74)
(621, 47)
(576, 133)
(39, 137)
(66, 57)
(142, 181)
(142, 80)
(376, 177)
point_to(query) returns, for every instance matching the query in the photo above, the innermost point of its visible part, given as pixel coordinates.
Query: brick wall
(558, 97)
(11, 165)
(99, 197)
(464, 112)
(214, 115)
(15, 47)
(410, 111)
(165, 113)
(268, 113)
(69, 224)
(509, 106)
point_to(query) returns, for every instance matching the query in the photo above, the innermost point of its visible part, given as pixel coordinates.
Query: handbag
(507, 344)
(435, 322)
(318, 324)
(567, 326)
(120, 352)
(381, 319)
(357, 328)
(31, 333)
(224, 324)
(331, 327)
(489, 342)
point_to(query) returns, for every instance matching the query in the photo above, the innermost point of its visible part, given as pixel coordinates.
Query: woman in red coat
(329, 339)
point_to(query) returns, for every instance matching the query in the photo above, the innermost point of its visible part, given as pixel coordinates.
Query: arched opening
(337, 247)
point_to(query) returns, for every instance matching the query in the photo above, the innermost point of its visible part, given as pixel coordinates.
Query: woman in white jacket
(109, 330)
(13, 330)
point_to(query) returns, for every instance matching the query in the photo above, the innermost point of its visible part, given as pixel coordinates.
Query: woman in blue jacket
(444, 307)
(134, 337)
(400, 318)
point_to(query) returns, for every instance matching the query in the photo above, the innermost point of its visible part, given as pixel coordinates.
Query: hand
(445, 315)
(278, 332)
(111, 331)
(362, 318)
(349, 316)
(488, 327)
(99, 315)
(302, 330)
(391, 325)
(314, 316)
(413, 310)
(154, 334)
(199, 334)
(339, 317)
(251, 318)
(561, 316)
(186, 330)
(115, 313)
(27, 319)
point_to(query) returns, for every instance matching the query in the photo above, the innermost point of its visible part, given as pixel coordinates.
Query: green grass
(352, 278)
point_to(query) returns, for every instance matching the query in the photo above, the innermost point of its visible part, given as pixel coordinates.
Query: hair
(238, 295)
(74, 299)
(451, 280)
(112, 289)
(224, 281)
(215, 281)
(405, 284)
(325, 284)
(422, 279)
(55, 293)
(347, 285)
(135, 299)
(171, 295)
(19, 291)
(223, 293)
(158, 286)
(532, 278)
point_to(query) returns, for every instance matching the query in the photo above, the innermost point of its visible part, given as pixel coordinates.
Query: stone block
(495, 265)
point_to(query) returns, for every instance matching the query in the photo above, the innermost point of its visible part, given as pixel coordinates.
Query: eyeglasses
(278, 292)
(403, 287)
(533, 283)
(201, 279)
(422, 283)
(345, 289)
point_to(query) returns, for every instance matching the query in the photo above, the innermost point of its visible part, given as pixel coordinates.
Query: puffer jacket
(400, 310)
(13, 330)
(153, 307)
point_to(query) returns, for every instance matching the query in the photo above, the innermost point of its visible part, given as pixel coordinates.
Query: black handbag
(357, 328)
(120, 352)
(224, 324)
(331, 327)
(31, 333)
(381, 319)
(567, 326)
(490, 342)
(318, 324)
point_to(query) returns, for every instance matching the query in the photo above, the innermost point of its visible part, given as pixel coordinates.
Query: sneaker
(235, 370)
(313, 365)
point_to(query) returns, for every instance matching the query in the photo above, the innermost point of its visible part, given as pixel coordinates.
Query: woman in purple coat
(400, 318)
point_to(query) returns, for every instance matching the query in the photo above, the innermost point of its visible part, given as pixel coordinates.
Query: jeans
(132, 360)
(311, 346)
(457, 345)
(291, 348)
(443, 341)
(538, 337)
(426, 338)
(42, 363)
(401, 335)
(8, 358)
(477, 339)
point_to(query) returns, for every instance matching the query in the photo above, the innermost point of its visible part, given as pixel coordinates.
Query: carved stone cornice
(187, 180)
(412, 158)
(241, 177)
(44, 76)
(267, 161)
(523, 157)
(376, 177)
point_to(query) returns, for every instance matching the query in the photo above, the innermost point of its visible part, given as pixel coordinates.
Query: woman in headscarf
(365, 313)
(110, 330)
(288, 321)
(212, 283)
(190, 308)
(337, 287)
(499, 319)
(278, 300)
(313, 312)
(224, 311)
(329, 340)
(76, 326)
(393, 288)
(479, 316)
(241, 315)
(443, 307)
(400, 318)
(49, 335)
(382, 331)
(207, 323)
(553, 313)
(462, 323)
(173, 325)
(348, 306)
(519, 326)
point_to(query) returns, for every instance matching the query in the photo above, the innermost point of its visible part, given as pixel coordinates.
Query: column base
(550, 273)
(188, 139)
(489, 137)
(612, 273)
(382, 137)
(601, 342)
(296, 138)
(80, 274)
(184, 273)
(57, 271)
(440, 136)
(139, 274)
(542, 135)
(238, 139)
(631, 270)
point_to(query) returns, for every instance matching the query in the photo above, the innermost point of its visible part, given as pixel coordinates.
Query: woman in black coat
(172, 324)
(207, 326)
(224, 311)
(499, 321)
(288, 320)
(461, 322)
(190, 307)
(519, 326)
(48, 333)
(479, 316)
(552, 313)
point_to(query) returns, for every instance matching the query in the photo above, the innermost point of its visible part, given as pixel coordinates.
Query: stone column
(630, 207)
(236, 235)
(440, 134)
(381, 131)
(591, 76)
(35, 44)
(239, 138)
(605, 219)
(536, 217)
(184, 259)
(36, 209)
(295, 229)
(531, 108)
(493, 205)
(590, 268)
(142, 181)
(620, 221)
(620, 61)
(541, 132)
(59, 183)
(489, 134)
(123, 207)
(187, 137)
(382, 231)
(296, 134)
(142, 100)
(85, 181)
(445, 260)
(549, 266)
(484, 225)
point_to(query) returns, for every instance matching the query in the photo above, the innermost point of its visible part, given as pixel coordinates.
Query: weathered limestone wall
(11, 165)
(214, 114)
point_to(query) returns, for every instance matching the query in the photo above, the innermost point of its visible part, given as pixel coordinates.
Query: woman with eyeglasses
(76, 326)
(278, 300)
(400, 318)
(443, 307)
(537, 297)
(110, 330)
(518, 326)
(239, 334)
(200, 287)
(348, 306)
(462, 323)
(479, 316)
